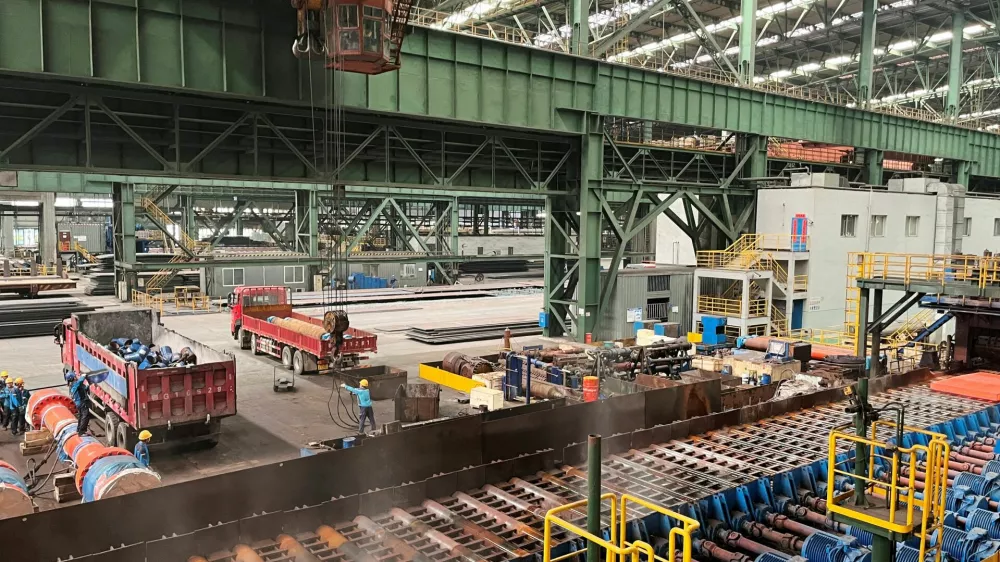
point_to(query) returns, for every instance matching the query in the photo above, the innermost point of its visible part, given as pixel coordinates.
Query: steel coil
(991, 467)
(976, 483)
(907, 554)
(826, 547)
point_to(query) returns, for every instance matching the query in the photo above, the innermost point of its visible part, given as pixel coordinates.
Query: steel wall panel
(209, 539)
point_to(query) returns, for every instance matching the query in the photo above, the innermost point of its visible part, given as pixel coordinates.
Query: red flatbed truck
(176, 404)
(249, 309)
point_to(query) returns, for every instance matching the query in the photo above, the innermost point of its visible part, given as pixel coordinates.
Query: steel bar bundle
(101, 471)
(301, 327)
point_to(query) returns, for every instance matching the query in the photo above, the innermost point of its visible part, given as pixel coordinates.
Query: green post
(882, 549)
(873, 167)
(594, 496)
(748, 40)
(867, 66)
(591, 226)
(861, 450)
(580, 31)
(955, 65)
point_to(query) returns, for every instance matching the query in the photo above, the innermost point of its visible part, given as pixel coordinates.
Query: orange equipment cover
(982, 385)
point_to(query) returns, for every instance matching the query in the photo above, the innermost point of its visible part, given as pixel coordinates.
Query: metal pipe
(784, 523)
(814, 517)
(14, 498)
(295, 548)
(390, 540)
(593, 495)
(732, 538)
(784, 541)
(716, 552)
(473, 529)
(537, 511)
(337, 541)
(101, 471)
(448, 543)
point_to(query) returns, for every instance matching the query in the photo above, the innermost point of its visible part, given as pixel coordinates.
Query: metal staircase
(398, 20)
(195, 247)
(779, 322)
(87, 256)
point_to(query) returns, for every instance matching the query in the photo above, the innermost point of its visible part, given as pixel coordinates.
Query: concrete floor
(272, 427)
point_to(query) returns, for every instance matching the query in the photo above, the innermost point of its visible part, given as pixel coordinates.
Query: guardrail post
(593, 496)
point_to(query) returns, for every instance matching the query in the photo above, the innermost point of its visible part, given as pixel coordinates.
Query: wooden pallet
(36, 442)
(65, 488)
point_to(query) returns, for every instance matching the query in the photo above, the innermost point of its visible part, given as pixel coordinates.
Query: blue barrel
(348, 442)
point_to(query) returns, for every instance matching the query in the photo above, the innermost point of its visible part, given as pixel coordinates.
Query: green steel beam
(220, 54)
(873, 172)
(955, 76)
(866, 68)
(579, 11)
(591, 227)
(748, 40)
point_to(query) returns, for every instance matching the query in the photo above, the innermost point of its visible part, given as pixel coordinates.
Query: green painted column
(873, 167)
(955, 65)
(960, 171)
(591, 172)
(580, 32)
(307, 221)
(748, 40)
(188, 222)
(867, 61)
(756, 145)
(454, 227)
(123, 227)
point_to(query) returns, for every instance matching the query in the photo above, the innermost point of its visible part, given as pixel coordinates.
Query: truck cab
(246, 297)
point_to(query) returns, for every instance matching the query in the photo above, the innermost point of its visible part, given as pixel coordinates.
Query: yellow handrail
(618, 549)
(930, 501)
(730, 307)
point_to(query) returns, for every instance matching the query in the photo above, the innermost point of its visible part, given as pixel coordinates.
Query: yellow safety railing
(86, 255)
(146, 300)
(618, 549)
(163, 218)
(779, 322)
(730, 307)
(838, 338)
(800, 283)
(771, 241)
(915, 323)
(906, 512)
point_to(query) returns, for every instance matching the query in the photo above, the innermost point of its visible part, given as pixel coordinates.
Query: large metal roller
(465, 365)
(14, 499)
(101, 471)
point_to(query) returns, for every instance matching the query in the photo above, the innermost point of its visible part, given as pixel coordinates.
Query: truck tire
(298, 363)
(254, 344)
(111, 423)
(245, 342)
(126, 437)
(286, 356)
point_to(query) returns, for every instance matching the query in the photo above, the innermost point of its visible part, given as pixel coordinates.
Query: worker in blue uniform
(14, 405)
(4, 414)
(80, 391)
(364, 403)
(23, 394)
(141, 451)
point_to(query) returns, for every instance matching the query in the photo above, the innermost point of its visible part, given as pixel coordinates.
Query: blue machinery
(519, 370)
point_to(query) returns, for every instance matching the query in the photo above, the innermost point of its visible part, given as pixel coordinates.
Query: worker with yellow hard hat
(17, 400)
(364, 404)
(141, 451)
(4, 411)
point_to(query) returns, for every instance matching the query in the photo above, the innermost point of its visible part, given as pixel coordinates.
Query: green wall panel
(66, 31)
(160, 50)
(115, 49)
(20, 35)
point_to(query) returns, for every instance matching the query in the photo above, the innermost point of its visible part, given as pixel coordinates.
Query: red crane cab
(362, 36)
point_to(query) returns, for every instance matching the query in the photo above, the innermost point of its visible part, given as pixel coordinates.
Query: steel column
(307, 222)
(955, 65)
(580, 26)
(748, 41)
(867, 66)
(123, 227)
(873, 167)
(591, 226)
(960, 172)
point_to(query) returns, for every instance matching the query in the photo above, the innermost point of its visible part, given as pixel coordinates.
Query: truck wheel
(243, 339)
(126, 437)
(255, 344)
(111, 423)
(298, 363)
(286, 356)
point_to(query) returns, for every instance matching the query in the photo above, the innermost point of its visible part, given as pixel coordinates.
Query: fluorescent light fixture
(22, 203)
(65, 202)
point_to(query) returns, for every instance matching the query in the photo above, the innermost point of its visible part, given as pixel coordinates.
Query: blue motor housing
(825, 547)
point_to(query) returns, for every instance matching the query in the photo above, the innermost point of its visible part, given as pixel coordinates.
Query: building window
(295, 274)
(878, 226)
(847, 225)
(996, 227)
(409, 270)
(232, 277)
(912, 226)
(968, 226)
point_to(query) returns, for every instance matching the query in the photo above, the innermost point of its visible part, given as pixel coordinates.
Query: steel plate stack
(437, 334)
(36, 317)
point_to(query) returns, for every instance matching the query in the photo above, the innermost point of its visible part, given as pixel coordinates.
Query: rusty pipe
(473, 529)
(716, 552)
(295, 548)
(390, 540)
(980, 456)
(814, 503)
(784, 523)
(784, 541)
(500, 516)
(448, 543)
(246, 554)
(337, 541)
(814, 517)
(732, 538)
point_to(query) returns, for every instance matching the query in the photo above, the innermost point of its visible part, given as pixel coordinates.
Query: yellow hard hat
(145, 435)
(18, 380)
(3, 374)
(364, 383)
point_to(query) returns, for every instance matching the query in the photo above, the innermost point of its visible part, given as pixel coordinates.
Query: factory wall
(220, 282)
(469, 245)
(661, 293)
(90, 235)
(983, 214)
(672, 245)
(828, 249)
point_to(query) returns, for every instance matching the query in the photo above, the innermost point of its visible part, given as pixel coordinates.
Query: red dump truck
(250, 308)
(176, 404)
